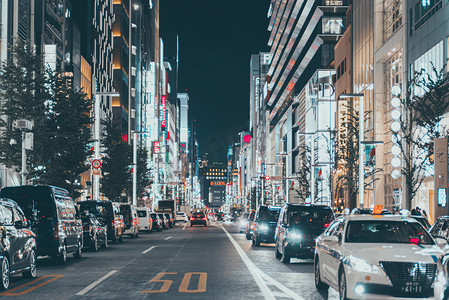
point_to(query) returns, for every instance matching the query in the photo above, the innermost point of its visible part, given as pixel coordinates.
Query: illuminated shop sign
(164, 111)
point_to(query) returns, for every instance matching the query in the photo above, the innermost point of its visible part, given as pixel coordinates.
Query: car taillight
(192, 218)
(204, 219)
(326, 225)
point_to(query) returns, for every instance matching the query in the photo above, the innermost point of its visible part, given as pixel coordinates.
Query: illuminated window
(424, 10)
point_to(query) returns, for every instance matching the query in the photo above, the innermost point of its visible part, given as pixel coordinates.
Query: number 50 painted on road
(183, 287)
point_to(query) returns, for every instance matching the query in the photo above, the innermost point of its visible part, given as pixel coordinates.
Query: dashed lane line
(95, 283)
(148, 250)
(259, 275)
(184, 227)
(167, 238)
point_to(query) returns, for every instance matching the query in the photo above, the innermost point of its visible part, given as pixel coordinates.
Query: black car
(53, 217)
(109, 214)
(164, 221)
(250, 226)
(170, 220)
(157, 222)
(422, 220)
(298, 227)
(198, 218)
(265, 221)
(95, 233)
(369, 211)
(18, 246)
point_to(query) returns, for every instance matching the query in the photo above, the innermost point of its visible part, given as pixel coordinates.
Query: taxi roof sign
(377, 210)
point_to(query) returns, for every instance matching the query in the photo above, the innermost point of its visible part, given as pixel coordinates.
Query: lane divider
(259, 275)
(184, 227)
(95, 283)
(32, 288)
(149, 249)
(167, 238)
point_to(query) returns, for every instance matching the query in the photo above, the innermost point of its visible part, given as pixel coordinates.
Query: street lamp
(96, 178)
(361, 143)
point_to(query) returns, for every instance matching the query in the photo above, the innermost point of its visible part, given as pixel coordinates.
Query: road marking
(167, 238)
(11, 292)
(95, 283)
(165, 287)
(184, 287)
(259, 275)
(184, 227)
(149, 249)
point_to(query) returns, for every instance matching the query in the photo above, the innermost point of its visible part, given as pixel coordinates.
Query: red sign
(247, 138)
(96, 163)
(156, 147)
(164, 111)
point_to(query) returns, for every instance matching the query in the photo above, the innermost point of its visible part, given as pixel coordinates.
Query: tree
(116, 163)
(68, 120)
(143, 171)
(24, 94)
(304, 174)
(423, 106)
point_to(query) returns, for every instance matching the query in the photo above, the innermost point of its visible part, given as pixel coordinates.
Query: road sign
(96, 163)
(96, 172)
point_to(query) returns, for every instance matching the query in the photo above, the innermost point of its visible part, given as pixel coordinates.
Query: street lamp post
(96, 178)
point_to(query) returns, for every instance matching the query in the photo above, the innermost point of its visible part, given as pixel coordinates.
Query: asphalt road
(214, 262)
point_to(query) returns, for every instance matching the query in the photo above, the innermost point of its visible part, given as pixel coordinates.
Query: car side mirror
(441, 242)
(331, 239)
(19, 224)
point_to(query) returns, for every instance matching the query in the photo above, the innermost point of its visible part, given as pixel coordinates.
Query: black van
(53, 218)
(265, 221)
(298, 227)
(109, 214)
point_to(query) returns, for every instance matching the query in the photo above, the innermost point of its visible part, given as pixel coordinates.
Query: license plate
(412, 287)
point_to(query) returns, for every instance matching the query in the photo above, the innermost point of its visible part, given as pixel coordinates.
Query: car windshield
(311, 217)
(269, 216)
(141, 213)
(398, 232)
(199, 215)
(97, 210)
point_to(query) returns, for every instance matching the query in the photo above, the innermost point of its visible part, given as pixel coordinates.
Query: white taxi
(376, 257)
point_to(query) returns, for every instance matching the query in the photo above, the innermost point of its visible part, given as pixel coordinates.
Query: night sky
(217, 38)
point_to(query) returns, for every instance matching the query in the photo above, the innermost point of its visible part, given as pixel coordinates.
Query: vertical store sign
(164, 112)
(441, 176)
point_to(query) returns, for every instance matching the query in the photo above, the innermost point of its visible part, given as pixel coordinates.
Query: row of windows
(424, 10)
(341, 69)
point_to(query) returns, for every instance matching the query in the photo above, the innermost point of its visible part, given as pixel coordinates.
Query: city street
(180, 263)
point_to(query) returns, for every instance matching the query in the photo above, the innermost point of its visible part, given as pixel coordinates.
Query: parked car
(243, 221)
(441, 284)
(18, 246)
(250, 226)
(95, 233)
(440, 228)
(265, 222)
(108, 213)
(376, 257)
(53, 217)
(145, 220)
(181, 216)
(198, 218)
(164, 220)
(130, 219)
(297, 229)
(157, 221)
(170, 220)
(423, 221)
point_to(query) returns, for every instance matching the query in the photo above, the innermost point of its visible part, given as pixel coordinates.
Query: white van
(145, 221)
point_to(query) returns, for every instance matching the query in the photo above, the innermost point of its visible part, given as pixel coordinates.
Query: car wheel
(277, 253)
(95, 244)
(62, 257)
(191, 225)
(105, 244)
(321, 286)
(248, 237)
(32, 272)
(342, 285)
(6, 276)
(79, 251)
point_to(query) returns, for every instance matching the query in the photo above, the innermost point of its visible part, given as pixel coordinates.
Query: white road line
(184, 227)
(95, 283)
(149, 249)
(167, 238)
(259, 275)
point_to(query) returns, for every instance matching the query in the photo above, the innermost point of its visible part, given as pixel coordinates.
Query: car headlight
(263, 227)
(295, 235)
(361, 265)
